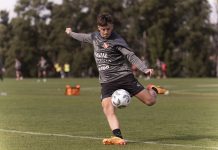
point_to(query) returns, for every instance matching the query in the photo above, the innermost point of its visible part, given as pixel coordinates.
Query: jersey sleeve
(83, 37)
(132, 58)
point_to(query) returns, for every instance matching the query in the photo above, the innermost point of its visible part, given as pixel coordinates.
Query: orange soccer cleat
(158, 89)
(114, 141)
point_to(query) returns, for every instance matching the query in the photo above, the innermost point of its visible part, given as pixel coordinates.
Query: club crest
(105, 45)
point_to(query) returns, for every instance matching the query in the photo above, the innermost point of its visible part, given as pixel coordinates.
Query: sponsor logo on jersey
(103, 67)
(101, 55)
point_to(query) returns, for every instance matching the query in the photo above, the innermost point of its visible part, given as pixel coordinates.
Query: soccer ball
(121, 98)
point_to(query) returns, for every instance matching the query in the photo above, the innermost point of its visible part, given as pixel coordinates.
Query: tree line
(174, 31)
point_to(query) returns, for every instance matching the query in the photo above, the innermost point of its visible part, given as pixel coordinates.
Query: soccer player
(18, 68)
(114, 58)
(42, 69)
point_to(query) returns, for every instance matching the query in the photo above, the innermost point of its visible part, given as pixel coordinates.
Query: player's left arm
(133, 59)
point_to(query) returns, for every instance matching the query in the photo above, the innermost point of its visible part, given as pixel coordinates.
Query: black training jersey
(112, 55)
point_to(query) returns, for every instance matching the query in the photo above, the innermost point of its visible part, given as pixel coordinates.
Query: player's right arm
(79, 36)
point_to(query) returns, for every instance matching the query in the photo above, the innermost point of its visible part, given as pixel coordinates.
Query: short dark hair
(104, 19)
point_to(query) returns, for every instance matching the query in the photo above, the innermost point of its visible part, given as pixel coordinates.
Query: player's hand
(68, 30)
(149, 72)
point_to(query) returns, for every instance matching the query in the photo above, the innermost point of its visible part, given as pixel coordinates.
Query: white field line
(98, 138)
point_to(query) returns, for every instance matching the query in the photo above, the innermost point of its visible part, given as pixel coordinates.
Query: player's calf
(147, 97)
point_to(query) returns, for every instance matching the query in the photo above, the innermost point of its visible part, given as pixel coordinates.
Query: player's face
(105, 31)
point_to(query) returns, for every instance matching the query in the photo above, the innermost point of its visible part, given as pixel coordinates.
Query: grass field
(38, 116)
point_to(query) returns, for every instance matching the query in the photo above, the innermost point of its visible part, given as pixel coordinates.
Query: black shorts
(128, 83)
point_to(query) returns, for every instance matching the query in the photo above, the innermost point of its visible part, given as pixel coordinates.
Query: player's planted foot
(114, 141)
(158, 89)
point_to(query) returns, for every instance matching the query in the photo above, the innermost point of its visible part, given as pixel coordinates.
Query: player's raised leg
(148, 97)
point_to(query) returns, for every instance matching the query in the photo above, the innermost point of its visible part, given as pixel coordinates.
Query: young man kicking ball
(114, 58)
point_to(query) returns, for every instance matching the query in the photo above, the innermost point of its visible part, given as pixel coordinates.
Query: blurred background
(183, 35)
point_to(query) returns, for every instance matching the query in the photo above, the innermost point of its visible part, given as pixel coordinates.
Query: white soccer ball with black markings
(121, 98)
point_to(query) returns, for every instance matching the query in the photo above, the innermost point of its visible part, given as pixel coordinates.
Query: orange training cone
(75, 90)
(68, 90)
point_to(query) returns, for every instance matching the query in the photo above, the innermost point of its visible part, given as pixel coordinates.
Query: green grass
(38, 116)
